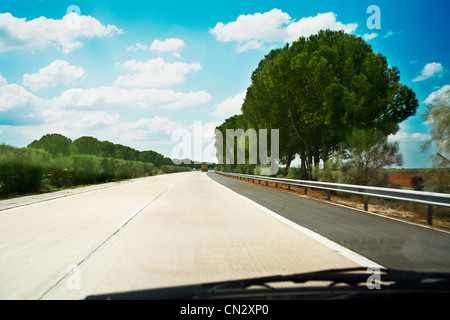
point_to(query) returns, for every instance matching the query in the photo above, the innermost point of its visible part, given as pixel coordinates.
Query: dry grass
(406, 211)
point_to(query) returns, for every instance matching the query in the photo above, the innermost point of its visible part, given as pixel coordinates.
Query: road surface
(153, 232)
(388, 242)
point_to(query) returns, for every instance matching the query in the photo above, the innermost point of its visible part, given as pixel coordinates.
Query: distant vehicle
(204, 167)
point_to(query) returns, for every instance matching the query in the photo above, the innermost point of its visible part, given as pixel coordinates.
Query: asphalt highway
(390, 243)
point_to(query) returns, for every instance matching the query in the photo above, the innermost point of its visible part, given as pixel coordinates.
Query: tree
(263, 109)
(321, 88)
(87, 146)
(55, 144)
(371, 151)
(438, 115)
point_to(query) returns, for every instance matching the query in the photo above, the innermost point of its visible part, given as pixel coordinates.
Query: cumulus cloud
(137, 46)
(58, 72)
(370, 36)
(18, 105)
(403, 136)
(430, 70)
(268, 26)
(145, 98)
(13, 96)
(64, 34)
(229, 107)
(171, 44)
(251, 30)
(155, 73)
(306, 27)
(440, 96)
(94, 111)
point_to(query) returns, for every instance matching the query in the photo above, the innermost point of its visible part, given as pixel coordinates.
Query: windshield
(150, 145)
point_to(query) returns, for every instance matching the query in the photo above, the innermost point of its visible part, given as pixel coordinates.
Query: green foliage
(318, 90)
(360, 160)
(338, 170)
(295, 173)
(173, 169)
(417, 183)
(55, 144)
(370, 151)
(438, 183)
(54, 161)
(438, 115)
(85, 169)
(21, 170)
(59, 172)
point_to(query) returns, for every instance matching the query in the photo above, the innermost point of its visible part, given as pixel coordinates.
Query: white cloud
(137, 46)
(268, 26)
(155, 73)
(251, 30)
(13, 96)
(18, 33)
(18, 103)
(441, 96)
(78, 120)
(430, 70)
(389, 34)
(113, 97)
(171, 44)
(370, 36)
(420, 136)
(231, 106)
(403, 136)
(306, 27)
(252, 44)
(58, 72)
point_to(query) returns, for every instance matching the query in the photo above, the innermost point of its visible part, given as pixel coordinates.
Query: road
(153, 232)
(388, 242)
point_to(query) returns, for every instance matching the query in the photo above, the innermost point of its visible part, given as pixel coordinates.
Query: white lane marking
(349, 254)
(131, 216)
(120, 226)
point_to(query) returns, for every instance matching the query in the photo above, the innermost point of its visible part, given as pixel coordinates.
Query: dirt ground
(404, 178)
(412, 212)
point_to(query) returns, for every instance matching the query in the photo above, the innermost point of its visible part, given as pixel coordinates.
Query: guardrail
(428, 198)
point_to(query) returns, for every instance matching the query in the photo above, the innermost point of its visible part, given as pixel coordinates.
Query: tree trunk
(288, 164)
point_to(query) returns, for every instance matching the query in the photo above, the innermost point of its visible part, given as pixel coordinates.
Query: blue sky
(134, 72)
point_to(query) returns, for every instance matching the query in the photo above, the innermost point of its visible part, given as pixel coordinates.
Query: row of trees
(334, 102)
(54, 161)
(59, 145)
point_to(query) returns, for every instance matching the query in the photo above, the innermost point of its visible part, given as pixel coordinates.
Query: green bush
(21, 170)
(28, 170)
(173, 169)
(295, 173)
(85, 169)
(438, 183)
(59, 172)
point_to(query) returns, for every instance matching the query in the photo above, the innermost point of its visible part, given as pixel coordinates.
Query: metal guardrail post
(366, 202)
(430, 215)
